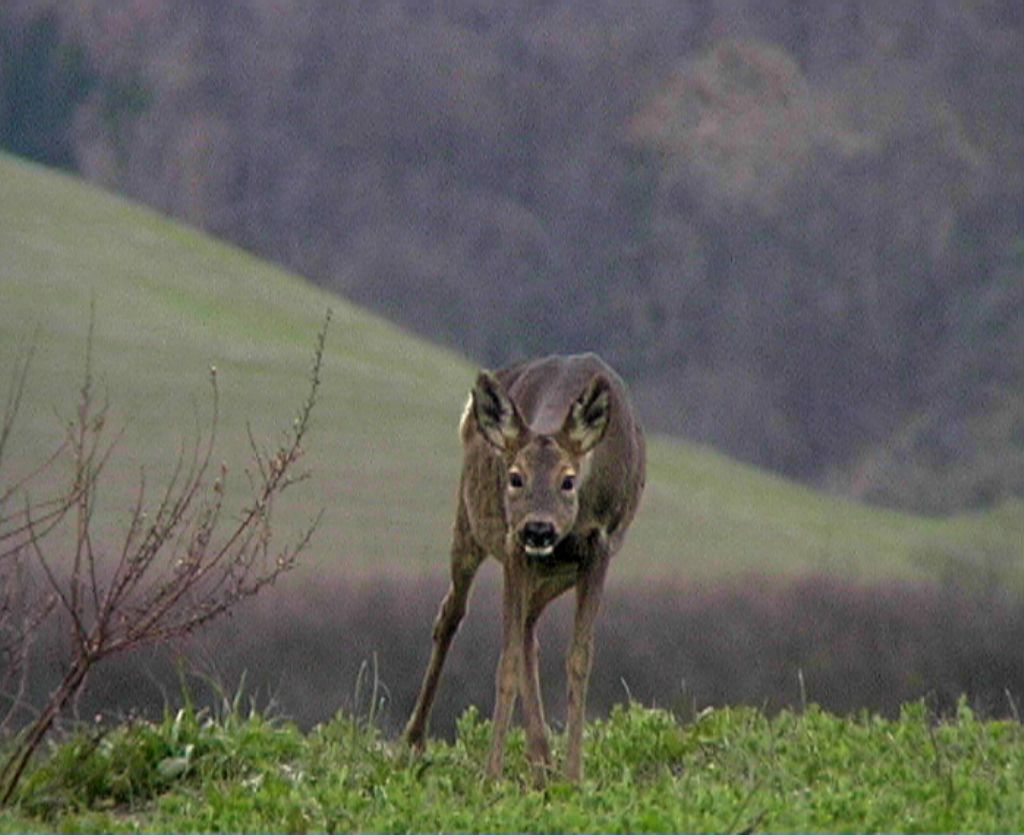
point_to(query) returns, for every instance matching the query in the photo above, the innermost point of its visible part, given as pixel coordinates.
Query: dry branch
(178, 566)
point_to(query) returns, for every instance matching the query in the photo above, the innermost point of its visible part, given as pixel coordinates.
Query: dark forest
(797, 227)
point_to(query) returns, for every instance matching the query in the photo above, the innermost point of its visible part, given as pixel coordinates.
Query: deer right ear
(495, 413)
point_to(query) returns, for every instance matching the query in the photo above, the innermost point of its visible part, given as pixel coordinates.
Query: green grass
(729, 769)
(170, 302)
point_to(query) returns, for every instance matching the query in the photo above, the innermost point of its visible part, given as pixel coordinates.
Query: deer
(552, 474)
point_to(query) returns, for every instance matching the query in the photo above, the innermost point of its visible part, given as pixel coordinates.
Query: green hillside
(384, 454)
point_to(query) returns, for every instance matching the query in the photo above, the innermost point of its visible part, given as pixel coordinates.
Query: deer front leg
(543, 591)
(510, 665)
(537, 748)
(580, 657)
(466, 559)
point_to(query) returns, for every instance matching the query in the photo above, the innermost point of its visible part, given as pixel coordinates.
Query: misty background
(796, 227)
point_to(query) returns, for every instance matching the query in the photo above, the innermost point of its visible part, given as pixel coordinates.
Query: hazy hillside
(796, 225)
(384, 455)
(709, 602)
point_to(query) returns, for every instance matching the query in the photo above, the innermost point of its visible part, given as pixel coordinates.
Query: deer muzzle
(538, 538)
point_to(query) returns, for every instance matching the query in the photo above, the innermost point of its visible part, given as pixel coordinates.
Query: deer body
(553, 470)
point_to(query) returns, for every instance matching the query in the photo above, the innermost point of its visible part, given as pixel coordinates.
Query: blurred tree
(775, 217)
(43, 80)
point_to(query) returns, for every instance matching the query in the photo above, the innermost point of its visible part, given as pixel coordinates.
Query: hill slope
(171, 302)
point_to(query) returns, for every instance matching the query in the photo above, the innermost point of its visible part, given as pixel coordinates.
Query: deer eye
(568, 483)
(515, 480)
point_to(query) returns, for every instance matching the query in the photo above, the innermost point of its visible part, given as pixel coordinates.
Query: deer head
(542, 473)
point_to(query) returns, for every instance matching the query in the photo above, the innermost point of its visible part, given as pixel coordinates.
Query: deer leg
(510, 665)
(578, 663)
(466, 559)
(533, 704)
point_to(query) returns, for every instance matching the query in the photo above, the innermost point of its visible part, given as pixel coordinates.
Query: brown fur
(551, 444)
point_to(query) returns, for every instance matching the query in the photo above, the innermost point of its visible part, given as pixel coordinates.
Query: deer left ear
(588, 416)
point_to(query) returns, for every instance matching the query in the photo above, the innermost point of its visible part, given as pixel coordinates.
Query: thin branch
(15, 392)
(31, 476)
(55, 584)
(42, 524)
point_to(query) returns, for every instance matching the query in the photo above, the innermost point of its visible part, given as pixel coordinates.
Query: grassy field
(170, 302)
(728, 770)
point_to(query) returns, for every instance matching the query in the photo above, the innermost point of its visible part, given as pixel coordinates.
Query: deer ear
(588, 416)
(496, 415)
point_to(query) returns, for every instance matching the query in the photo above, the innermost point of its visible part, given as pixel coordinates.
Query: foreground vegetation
(729, 769)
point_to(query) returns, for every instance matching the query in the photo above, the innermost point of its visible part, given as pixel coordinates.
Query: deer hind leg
(466, 559)
(581, 650)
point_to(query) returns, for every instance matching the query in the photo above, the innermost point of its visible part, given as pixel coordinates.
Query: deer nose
(538, 536)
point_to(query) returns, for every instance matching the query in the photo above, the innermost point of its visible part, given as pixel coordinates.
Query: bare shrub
(180, 562)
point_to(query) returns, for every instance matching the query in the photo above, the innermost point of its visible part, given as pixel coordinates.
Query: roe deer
(552, 473)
